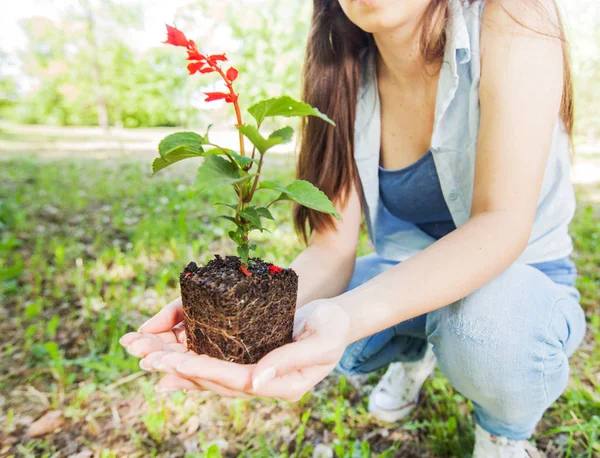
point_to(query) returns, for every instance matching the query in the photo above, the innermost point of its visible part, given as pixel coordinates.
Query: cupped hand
(163, 332)
(321, 333)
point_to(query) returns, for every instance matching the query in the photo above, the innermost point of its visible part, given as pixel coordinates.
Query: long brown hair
(331, 78)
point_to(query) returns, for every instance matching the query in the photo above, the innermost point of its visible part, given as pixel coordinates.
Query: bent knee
(520, 308)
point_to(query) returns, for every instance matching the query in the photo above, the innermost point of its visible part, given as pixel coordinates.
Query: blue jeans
(505, 346)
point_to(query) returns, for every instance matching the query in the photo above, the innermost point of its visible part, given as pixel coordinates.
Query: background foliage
(85, 72)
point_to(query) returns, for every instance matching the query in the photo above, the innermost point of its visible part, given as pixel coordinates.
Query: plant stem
(236, 106)
(252, 163)
(251, 194)
(272, 202)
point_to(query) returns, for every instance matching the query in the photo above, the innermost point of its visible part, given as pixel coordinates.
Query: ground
(91, 246)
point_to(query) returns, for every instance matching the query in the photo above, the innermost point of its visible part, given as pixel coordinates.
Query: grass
(89, 249)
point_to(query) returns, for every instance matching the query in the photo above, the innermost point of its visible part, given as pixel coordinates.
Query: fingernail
(158, 366)
(143, 366)
(261, 379)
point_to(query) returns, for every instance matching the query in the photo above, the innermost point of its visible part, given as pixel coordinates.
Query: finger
(164, 320)
(179, 332)
(128, 338)
(292, 386)
(173, 382)
(148, 361)
(150, 343)
(236, 377)
(175, 335)
(301, 316)
(308, 352)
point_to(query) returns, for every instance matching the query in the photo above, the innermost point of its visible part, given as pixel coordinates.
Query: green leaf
(189, 140)
(252, 134)
(230, 218)
(284, 106)
(251, 215)
(260, 228)
(304, 193)
(227, 205)
(235, 236)
(285, 134)
(173, 156)
(216, 171)
(243, 251)
(264, 213)
(205, 138)
(242, 161)
(263, 144)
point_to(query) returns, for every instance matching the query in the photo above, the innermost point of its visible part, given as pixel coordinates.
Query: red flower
(200, 63)
(176, 37)
(215, 96)
(193, 54)
(273, 269)
(245, 271)
(194, 67)
(232, 74)
(213, 59)
(231, 98)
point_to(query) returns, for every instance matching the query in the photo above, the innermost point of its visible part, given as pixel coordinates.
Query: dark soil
(235, 317)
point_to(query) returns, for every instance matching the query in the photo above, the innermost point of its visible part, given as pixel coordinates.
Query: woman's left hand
(321, 332)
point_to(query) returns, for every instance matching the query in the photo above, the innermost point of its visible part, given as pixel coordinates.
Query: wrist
(343, 321)
(347, 302)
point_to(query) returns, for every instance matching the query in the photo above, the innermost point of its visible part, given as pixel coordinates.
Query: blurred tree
(148, 89)
(585, 46)
(86, 73)
(94, 57)
(8, 89)
(271, 40)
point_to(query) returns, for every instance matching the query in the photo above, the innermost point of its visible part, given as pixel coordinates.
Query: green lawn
(90, 248)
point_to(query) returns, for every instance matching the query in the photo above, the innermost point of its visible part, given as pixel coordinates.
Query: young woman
(453, 126)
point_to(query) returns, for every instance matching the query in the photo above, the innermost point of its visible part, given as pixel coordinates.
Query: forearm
(323, 272)
(449, 269)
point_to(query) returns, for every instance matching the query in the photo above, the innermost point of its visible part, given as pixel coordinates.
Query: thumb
(164, 320)
(294, 356)
(302, 314)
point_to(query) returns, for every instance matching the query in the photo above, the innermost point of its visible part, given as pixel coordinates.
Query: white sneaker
(489, 446)
(397, 393)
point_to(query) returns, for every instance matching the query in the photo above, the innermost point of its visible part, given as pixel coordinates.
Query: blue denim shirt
(453, 145)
